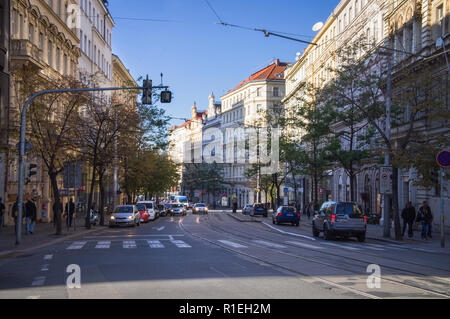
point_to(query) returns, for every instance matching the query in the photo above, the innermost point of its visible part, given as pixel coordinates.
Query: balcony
(25, 51)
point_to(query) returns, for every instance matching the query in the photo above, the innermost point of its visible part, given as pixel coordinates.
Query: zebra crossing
(127, 244)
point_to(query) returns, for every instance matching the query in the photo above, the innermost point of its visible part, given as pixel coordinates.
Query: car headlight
(112, 218)
(130, 217)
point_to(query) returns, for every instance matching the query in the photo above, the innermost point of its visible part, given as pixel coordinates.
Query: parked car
(125, 215)
(150, 208)
(145, 216)
(200, 208)
(246, 209)
(161, 209)
(340, 219)
(178, 209)
(286, 214)
(258, 209)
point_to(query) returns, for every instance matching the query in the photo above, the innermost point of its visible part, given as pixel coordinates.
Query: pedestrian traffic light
(29, 171)
(166, 96)
(147, 92)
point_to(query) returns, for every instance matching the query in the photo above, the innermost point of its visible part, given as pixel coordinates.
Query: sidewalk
(43, 235)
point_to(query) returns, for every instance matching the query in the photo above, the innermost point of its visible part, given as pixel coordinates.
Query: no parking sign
(443, 159)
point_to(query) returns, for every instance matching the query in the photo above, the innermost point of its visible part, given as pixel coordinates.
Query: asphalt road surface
(216, 256)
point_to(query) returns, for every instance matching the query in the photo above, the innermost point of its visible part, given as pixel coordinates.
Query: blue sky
(198, 56)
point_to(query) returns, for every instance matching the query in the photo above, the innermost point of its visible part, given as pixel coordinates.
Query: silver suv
(340, 218)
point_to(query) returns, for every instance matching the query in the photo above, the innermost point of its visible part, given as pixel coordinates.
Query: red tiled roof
(270, 72)
(199, 116)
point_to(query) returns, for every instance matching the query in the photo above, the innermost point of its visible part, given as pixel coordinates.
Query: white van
(150, 205)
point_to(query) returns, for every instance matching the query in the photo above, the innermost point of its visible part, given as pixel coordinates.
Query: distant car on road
(286, 214)
(161, 209)
(340, 219)
(246, 209)
(258, 209)
(178, 209)
(200, 208)
(125, 215)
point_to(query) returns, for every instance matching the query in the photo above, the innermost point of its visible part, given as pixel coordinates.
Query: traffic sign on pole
(386, 180)
(443, 159)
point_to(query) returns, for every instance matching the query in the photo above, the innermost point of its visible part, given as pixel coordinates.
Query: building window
(65, 65)
(41, 41)
(258, 108)
(50, 53)
(81, 41)
(440, 21)
(89, 49)
(275, 91)
(258, 92)
(31, 33)
(58, 64)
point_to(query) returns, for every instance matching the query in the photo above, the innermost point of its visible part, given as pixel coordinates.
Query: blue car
(286, 214)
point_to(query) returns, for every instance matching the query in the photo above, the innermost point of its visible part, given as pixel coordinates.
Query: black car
(162, 210)
(258, 209)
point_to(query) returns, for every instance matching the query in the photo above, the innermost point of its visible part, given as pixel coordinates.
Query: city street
(218, 256)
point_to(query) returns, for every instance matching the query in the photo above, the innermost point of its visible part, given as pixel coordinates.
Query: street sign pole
(443, 160)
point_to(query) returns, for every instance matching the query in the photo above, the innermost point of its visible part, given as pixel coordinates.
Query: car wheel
(361, 237)
(273, 221)
(265, 215)
(316, 233)
(297, 224)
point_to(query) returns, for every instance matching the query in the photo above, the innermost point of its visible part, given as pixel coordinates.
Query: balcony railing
(26, 50)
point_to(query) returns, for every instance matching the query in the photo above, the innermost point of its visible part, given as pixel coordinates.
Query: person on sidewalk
(408, 216)
(31, 214)
(2, 212)
(426, 217)
(70, 210)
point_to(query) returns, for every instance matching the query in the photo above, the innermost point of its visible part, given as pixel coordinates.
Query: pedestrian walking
(408, 216)
(31, 215)
(2, 213)
(308, 209)
(70, 210)
(426, 218)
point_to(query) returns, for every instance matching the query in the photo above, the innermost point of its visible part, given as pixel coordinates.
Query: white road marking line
(129, 244)
(304, 245)
(268, 244)
(181, 244)
(424, 250)
(128, 236)
(45, 267)
(33, 297)
(48, 257)
(159, 228)
(341, 246)
(230, 243)
(77, 245)
(38, 281)
(285, 232)
(155, 244)
(104, 244)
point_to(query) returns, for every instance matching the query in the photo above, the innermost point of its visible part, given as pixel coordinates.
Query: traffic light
(29, 171)
(147, 92)
(166, 96)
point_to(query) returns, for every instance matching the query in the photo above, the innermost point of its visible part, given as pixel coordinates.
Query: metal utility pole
(386, 202)
(442, 219)
(22, 138)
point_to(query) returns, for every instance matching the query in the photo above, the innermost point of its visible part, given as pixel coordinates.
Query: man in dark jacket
(70, 209)
(408, 216)
(31, 214)
(426, 217)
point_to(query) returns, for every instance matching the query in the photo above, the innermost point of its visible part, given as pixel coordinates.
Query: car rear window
(259, 206)
(349, 209)
(200, 205)
(124, 210)
(288, 210)
(140, 207)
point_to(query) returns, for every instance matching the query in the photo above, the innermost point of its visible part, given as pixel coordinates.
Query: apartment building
(400, 26)
(44, 37)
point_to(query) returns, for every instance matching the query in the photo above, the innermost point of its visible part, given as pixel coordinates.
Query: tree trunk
(91, 192)
(56, 213)
(397, 227)
(102, 199)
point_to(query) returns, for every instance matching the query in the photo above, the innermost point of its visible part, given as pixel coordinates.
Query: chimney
(277, 62)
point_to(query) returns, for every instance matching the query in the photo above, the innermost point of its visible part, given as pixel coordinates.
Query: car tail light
(298, 214)
(280, 214)
(333, 217)
(365, 219)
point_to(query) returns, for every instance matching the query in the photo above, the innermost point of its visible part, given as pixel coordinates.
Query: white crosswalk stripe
(268, 244)
(103, 244)
(297, 243)
(341, 246)
(77, 245)
(155, 244)
(232, 244)
(129, 244)
(180, 244)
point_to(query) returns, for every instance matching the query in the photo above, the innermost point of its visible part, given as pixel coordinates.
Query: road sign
(28, 146)
(386, 180)
(443, 159)
(72, 175)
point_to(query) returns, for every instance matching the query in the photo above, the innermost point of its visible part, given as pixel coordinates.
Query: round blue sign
(443, 159)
